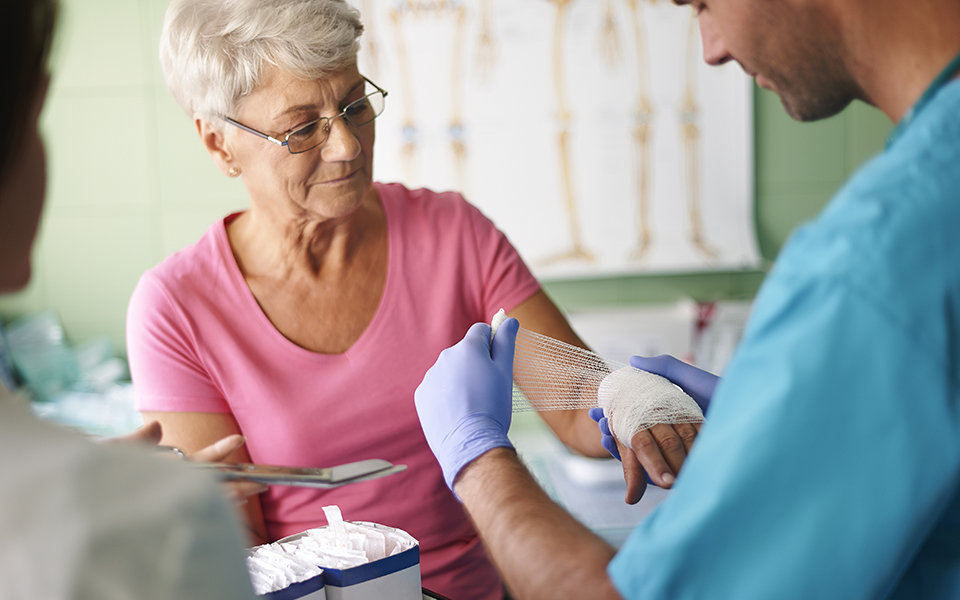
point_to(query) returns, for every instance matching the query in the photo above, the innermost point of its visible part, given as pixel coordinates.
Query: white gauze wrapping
(551, 375)
(634, 400)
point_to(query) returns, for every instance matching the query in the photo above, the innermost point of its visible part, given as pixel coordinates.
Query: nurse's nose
(715, 52)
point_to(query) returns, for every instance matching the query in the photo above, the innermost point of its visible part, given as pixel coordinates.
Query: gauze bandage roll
(551, 375)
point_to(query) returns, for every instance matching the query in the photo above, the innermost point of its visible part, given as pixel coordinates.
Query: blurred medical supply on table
(84, 386)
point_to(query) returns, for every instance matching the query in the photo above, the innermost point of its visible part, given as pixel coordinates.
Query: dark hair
(26, 31)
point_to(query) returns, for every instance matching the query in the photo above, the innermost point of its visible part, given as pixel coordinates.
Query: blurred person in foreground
(307, 321)
(77, 519)
(829, 467)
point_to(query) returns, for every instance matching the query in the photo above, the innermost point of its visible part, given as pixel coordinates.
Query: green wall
(130, 184)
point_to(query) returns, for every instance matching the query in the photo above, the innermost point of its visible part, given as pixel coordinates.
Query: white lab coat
(87, 521)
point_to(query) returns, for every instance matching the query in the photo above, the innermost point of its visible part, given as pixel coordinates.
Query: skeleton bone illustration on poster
(590, 131)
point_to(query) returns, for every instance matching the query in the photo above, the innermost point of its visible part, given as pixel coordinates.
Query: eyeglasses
(357, 113)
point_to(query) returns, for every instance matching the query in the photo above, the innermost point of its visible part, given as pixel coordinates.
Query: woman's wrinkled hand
(235, 491)
(658, 453)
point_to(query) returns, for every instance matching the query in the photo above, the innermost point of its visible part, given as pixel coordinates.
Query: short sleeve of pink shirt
(198, 342)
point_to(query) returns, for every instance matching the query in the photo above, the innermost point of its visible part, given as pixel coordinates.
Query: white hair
(213, 51)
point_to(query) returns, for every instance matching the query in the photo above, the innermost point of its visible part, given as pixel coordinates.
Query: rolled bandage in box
(358, 560)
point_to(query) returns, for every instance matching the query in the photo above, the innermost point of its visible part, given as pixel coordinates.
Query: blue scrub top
(829, 466)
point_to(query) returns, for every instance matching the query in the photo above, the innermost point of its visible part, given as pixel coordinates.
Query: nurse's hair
(213, 51)
(26, 32)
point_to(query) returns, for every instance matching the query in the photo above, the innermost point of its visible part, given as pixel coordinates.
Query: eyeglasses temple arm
(379, 89)
(254, 131)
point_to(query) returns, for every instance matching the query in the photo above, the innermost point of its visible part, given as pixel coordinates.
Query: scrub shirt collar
(942, 79)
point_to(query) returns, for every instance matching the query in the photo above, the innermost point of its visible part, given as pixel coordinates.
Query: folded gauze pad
(551, 375)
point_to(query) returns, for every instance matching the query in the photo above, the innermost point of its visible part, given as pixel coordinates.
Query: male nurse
(829, 466)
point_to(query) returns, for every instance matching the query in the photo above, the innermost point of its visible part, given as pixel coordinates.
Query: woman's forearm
(573, 427)
(194, 431)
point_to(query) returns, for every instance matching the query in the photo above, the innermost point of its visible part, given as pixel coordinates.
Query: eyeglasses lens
(358, 113)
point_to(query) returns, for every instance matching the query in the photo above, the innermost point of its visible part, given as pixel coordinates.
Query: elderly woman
(306, 322)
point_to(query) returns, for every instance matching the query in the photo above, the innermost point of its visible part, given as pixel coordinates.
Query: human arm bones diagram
(589, 131)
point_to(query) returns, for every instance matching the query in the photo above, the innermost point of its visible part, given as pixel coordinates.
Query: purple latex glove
(606, 440)
(697, 383)
(465, 401)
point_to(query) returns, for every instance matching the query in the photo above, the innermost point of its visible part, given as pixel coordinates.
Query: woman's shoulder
(196, 265)
(436, 211)
(423, 201)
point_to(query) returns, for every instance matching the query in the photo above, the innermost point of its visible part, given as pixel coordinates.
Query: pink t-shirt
(198, 342)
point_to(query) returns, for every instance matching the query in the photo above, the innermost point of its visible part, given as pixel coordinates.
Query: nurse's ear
(213, 139)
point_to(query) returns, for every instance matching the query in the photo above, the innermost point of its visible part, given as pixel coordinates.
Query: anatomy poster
(590, 131)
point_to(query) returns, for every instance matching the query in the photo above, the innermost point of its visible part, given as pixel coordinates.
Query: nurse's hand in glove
(661, 449)
(697, 383)
(465, 401)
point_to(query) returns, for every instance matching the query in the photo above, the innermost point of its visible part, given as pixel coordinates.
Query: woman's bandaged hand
(633, 400)
(647, 418)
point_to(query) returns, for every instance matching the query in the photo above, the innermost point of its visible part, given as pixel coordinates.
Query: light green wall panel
(183, 227)
(95, 282)
(130, 182)
(102, 43)
(80, 143)
(153, 12)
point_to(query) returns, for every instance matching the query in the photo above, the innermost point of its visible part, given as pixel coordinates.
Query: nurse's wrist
(472, 477)
(472, 437)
